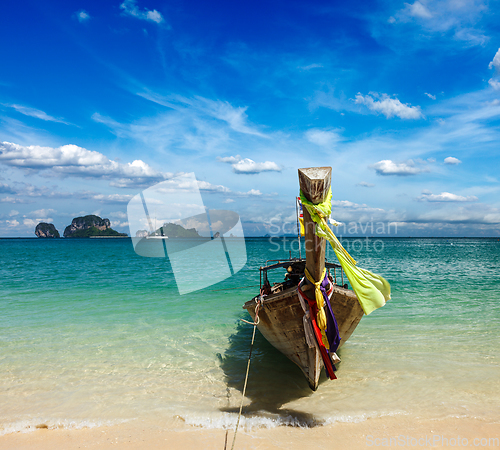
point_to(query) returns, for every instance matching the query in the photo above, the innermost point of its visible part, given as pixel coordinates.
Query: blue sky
(100, 100)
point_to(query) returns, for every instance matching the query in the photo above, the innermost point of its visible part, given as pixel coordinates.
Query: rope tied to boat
(255, 323)
(320, 302)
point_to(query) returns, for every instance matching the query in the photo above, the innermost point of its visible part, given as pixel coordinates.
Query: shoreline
(384, 432)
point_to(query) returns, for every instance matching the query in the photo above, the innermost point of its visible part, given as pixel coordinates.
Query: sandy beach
(389, 432)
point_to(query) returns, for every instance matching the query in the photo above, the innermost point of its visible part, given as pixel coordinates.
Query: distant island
(81, 227)
(171, 230)
(46, 230)
(89, 226)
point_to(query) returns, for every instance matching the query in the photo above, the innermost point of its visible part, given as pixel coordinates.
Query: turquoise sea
(92, 334)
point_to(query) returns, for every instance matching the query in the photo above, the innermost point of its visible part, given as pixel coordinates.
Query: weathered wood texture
(315, 183)
(281, 324)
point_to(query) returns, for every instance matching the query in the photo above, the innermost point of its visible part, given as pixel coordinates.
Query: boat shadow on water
(273, 379)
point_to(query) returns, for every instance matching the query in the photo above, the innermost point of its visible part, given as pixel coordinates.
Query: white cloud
(433, 97)
(12, 223)
(365, 184)
(235, 117)
(311, 66)
(14, 200)
(130, 8)
(452, 160)
(496, 61)
(82, 16)
(229, 159)
(119, 214)
(495, 84)
(32, 112)
(471, 36)
(388, 106)
(74, 160)
(388, 167)
(209, 187)
(418, 10)
(13, 213)
(323, 138)
(108, 198)
(228, 200)
(446, 197)
(118, 224)
(460, 17)
(35, 222)
(254, 192)
(248, 166)
(6, 189)
(42, 212)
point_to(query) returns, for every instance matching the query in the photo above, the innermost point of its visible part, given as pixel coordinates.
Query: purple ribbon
(332, 329)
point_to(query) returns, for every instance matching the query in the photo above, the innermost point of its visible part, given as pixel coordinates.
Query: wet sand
(386, 432)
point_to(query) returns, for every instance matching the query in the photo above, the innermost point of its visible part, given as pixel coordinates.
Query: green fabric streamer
(371, 289)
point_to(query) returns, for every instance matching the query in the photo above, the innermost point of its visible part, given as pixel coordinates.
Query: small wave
(228, 421)
(268, 420)
(358, 418)
(27, 426)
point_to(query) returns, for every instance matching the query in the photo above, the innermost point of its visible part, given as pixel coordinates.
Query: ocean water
(92, 334)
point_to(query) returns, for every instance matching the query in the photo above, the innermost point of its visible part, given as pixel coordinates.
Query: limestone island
(46, 230)
(91, 226)
(170, 230)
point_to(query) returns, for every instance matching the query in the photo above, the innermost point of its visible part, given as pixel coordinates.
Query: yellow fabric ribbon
(371, 289)
(320, 302)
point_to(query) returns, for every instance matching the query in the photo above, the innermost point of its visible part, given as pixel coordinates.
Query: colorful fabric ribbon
(371, 289)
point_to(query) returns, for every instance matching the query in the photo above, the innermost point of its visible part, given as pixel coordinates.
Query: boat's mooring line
(255, 323)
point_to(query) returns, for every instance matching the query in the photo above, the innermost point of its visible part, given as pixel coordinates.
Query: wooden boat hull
(281, 323)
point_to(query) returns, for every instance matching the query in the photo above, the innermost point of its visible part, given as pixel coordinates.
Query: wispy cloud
(458, 17)
(130, 8)
(388, 167)
(32, 112)
(417, 9)
(15, 199)
(446, 197)
(235, 117)
(11, 223)
(247, 166)
(6, 189)
(43, 212)
(82, 16)
(311, 66)
(199, 107)
(471, 215)
(495, 84)
(389, 107)
(104, 198)
(433, 97)
(323, 137)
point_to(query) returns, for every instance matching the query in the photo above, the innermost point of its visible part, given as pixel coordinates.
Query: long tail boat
(280, 308)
